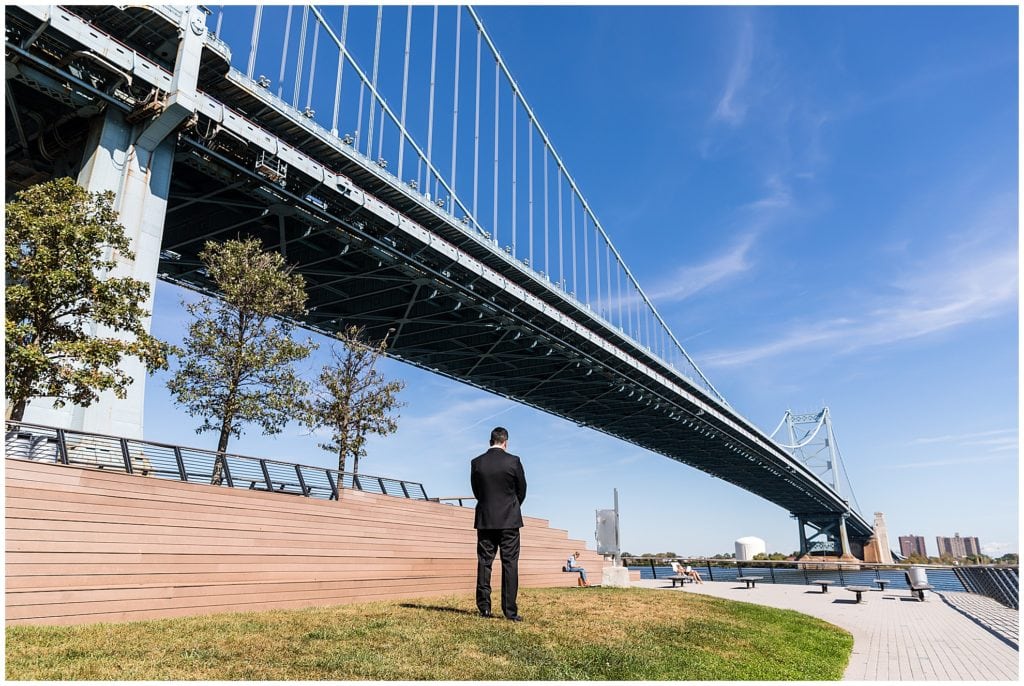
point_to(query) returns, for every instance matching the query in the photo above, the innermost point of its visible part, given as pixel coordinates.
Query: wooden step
(84, 545)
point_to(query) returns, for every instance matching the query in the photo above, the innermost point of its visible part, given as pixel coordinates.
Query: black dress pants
(488, 541)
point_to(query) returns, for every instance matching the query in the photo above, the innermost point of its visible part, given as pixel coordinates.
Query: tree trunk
(341, 461)
(16, 410)
(222, 446)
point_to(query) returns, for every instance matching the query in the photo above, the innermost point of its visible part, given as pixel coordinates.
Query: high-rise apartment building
(912, 545)
(958, 547)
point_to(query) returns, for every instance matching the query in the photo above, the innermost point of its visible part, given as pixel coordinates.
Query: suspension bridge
(390, 155)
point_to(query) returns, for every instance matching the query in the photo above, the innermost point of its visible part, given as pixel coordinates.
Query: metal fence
(997, 582)
(147, 458)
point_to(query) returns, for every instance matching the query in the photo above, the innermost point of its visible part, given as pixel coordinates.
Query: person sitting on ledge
(570, 566)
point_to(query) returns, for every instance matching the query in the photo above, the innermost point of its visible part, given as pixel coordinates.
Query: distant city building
(912, 545)
(958, 547)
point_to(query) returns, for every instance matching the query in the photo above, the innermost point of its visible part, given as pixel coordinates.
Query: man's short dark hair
(499, 434)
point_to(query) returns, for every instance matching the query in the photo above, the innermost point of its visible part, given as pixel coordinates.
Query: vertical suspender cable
(255, 40)
(312, 65)
(515, 155)
(476, 132)
(405, 88)
(597, 266)
(529, 166)
(359, 117)
(455, 119)
(430, 115)
(547, 267)
(284, 52)
(497, 83)
(586, 260)
(341, 71)
(561, 263)
(608, 280)
(301, 58)
(373, 82)
(572, 234)
(618, 294)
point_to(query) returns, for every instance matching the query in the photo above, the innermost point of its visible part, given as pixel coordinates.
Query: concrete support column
(140, 180)
(134, 161)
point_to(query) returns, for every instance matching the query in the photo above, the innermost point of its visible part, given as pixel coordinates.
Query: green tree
(238, 363)
(353, 399)
(60, 246)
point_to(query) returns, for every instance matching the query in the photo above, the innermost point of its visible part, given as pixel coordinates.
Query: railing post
(406, 490)
(227, 472)
(125, 456)
(302, 482)
(181, 464)
(62, 447)
(654, 573)
(771, 568)
(355, 482)
(266, 475)
(711, 577)
(334, 486)
(383, 490)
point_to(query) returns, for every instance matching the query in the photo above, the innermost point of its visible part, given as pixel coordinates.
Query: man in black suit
(499, 486)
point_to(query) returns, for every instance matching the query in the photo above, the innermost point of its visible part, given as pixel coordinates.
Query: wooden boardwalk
(949, 637)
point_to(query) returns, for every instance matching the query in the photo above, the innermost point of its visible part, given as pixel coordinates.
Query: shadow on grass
(439, 608)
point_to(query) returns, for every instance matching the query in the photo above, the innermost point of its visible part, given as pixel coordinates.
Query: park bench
(680, 578)
(750, 581)
(858, 590)
(824, 583)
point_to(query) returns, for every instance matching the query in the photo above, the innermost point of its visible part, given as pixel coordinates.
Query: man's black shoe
(487, 615)
(514, 618)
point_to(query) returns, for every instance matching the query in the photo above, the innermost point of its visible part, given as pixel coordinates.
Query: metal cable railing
(194, 465)
(997, 582)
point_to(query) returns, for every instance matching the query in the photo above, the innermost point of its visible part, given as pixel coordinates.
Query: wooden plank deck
(85, 545)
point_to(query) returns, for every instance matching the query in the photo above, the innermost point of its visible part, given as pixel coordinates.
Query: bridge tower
(811, 440)
(132, 154)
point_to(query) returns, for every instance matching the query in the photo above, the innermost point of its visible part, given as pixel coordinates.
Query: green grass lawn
(586, 634)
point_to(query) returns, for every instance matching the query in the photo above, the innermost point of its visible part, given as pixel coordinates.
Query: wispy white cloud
(695, 278)
(731, 108)
(946, 462)
(953, 291)
(979, 437)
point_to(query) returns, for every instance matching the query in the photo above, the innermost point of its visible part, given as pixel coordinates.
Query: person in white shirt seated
(570, 566)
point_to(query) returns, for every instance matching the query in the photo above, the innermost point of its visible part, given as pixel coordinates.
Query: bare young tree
(352, 398)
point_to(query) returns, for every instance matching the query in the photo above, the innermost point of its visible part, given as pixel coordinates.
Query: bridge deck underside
(453, 322)
(359, 270)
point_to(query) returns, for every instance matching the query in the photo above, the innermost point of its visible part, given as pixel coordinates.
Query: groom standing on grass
(499, 486)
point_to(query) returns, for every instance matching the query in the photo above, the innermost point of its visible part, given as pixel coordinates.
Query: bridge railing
(194, 465)
(999, 582)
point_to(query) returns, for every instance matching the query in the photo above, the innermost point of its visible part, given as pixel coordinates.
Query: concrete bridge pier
(830, 540)
(133, 158)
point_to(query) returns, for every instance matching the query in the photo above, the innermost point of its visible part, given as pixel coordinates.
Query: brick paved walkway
(950, 636)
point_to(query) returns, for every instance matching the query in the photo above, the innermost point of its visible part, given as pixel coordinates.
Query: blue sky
(822, 204)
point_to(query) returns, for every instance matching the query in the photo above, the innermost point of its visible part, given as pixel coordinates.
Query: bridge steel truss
(374, 253)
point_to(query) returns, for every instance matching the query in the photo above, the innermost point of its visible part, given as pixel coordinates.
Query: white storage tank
(749, 546)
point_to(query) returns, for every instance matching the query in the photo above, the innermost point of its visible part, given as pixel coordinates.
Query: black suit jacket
(499, 486)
